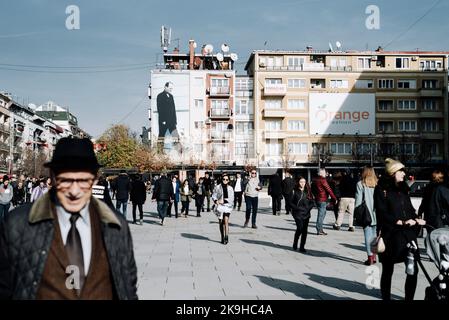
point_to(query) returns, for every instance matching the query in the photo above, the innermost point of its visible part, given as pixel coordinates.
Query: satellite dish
(220, 57)
(224, 48)
(338, 44)
(234, 57)
(330, 47)
(209, 48)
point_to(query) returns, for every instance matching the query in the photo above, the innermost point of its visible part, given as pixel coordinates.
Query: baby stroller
(437, 248)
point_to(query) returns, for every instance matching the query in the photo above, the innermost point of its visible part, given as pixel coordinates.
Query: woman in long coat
(397, 223)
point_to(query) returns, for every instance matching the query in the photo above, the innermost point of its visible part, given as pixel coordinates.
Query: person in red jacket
(322, 191)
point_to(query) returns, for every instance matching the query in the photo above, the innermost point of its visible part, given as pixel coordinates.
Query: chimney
(191, 53)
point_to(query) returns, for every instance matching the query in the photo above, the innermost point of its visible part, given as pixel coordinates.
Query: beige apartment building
(347, 109)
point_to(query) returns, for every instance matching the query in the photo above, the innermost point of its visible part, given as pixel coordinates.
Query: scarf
(225, 190)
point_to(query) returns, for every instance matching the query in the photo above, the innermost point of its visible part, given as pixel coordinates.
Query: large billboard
(170, 108)
(342, 113)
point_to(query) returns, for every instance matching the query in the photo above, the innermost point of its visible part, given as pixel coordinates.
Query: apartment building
(349, 108)
(192, 106)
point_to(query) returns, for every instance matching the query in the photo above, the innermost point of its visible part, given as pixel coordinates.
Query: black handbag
(361, 213)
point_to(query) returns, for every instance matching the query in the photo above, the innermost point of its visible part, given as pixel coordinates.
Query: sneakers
(254, 226)
(321, 233)
(335, 227)
(302, 250)
(141, 222)
(351, 229)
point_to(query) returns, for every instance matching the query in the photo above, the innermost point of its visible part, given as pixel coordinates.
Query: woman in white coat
(223, 197)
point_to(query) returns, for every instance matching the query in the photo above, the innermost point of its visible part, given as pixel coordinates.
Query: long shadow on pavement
(277, 228)
(347, 285)
(352, 246)
(313, 253)
(299, 289)
(196, 237)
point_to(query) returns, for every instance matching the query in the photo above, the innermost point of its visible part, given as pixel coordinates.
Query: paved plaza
(184, 260)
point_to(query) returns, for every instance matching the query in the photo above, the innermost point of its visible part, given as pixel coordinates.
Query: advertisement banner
(342, 113)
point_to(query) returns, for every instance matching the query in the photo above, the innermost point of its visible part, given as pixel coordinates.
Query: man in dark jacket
(163, 193)
(138, 197)
(275, 191)
(123, 186)
(239, 186)
(288, 184)
(348, 186)
(67, 244)
(435, 202)
(167, 111)
(209, 186)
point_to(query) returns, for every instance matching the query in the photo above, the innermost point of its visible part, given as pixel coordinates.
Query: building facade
(349, 108)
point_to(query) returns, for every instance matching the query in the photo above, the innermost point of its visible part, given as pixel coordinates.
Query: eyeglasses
(67, 182)
(225, 179)
(253, 172)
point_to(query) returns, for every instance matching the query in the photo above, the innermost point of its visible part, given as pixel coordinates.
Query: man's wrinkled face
(74, 189)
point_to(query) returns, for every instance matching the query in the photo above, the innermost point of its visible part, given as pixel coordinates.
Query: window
(408, 148)
(295, 61)
(220, 82)
(406, 104)
(365, 148)
(273, 125)
(364, 84)
(317, 83)
(271, 61)
(199, 124)
(387, 148)
(198, 147)
(296, 83)
(274, 148)
(402, 63)
(273, 103)
(296, 125)
(243, 107)
(386, 126)
(430, 84)
(220, 108)
(431, 65)
(243, 84)
(244, 149)
(272, 81)
(335, 63)
(364, 63)
(408, 126)
(199, 103)
(339, 83)
(318, 147)
(244, 128)
(341, 148)
(430, 105)
(406, 84)
(434, 149)
(385, 84)
(295, 103)
(429, 125)
(385, 105)
(298, 148)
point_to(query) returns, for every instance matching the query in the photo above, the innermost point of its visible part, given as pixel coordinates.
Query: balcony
(5, 128)
(222, 113)
(274, 113)
(4, 147)
(275, 90)
(219, 91)
(220, 135)
(431, 92)
(268, 134)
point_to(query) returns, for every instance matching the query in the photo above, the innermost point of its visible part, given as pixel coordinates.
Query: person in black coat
(123, 186)
(138, 196)
(301, 202)
(288, 184)
(435, 202)
(167, 111)
(199, 192)
(398, 225)
(275, 191)
(19, 194)
(163, 193)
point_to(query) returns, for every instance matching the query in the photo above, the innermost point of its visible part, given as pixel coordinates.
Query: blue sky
(120, 33)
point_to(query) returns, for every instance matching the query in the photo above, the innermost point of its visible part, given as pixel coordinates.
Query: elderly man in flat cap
(67, 244)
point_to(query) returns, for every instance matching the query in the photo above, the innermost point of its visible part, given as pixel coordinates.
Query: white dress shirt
(238, 185)
(83, 226)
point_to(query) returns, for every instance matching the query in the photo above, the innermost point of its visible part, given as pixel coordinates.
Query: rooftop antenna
(338, 44)
(165, 38)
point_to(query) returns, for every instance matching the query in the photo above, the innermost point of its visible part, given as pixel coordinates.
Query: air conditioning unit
(374, 58)
(262, 64)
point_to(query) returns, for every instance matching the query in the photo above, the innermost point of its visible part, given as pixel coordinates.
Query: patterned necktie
(74, 250)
